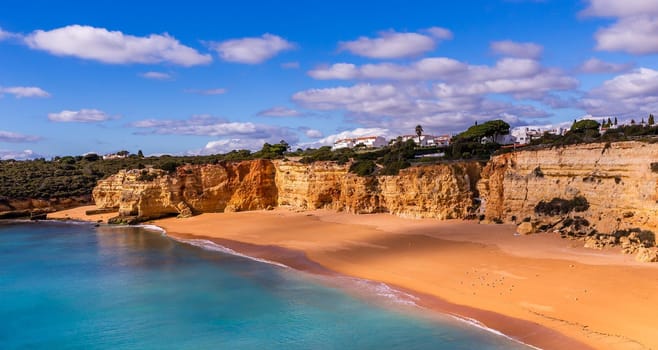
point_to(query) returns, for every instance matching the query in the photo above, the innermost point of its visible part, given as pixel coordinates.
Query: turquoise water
(75, 286)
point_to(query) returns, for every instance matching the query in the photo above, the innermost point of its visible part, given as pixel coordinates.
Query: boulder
(647, 255)
(525, 228)
(184, 210)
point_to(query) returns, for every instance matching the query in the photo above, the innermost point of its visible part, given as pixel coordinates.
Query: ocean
(77, 286)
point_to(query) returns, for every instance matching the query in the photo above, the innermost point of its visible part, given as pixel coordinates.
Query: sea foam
(210, 245)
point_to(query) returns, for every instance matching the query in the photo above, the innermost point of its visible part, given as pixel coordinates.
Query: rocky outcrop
(192, 189)
(437, 191)
(616, 179)
(601, 193)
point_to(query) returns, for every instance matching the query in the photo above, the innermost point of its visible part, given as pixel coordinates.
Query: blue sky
(206, 77)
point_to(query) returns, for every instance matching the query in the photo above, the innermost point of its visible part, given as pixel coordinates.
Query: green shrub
(144, 175)
(363, 168)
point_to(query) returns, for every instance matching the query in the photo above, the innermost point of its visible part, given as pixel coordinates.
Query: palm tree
(419, 132)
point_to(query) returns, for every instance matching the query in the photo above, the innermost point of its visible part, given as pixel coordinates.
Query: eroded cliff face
(435, 191)
(616, 179)
(23, 208)
(192, 189)
(443, 191)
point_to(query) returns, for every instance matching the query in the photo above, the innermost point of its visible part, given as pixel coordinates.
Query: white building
(114, 156)
(370, 141)
(525, 134)
(428, 140)
(367, 141)
(344, 143)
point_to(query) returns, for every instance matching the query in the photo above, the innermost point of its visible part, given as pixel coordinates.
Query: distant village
(518, 136)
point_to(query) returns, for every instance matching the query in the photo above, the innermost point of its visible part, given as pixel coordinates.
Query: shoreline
(537, 336)
(442, 263)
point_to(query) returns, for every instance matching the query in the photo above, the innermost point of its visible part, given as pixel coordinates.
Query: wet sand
(539, 289)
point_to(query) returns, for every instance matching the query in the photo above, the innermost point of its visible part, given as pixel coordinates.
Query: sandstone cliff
(443, 191)
(616, 179)
(192, 189)
(16, 208)
(438, 191)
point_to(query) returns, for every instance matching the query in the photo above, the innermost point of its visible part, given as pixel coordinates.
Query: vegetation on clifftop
(587, 131)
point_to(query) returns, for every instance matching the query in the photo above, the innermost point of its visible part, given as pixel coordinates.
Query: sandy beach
(539, 289)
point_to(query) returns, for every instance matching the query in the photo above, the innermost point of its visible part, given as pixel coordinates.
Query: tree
(651, 120)
(584, 125)
(475, 133)
(274, 151)
(615, 121)
(91, 157)
(419, 132)
(609, 124)
(140, 154)
(285, 145)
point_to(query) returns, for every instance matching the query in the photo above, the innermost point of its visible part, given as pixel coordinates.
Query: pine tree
(651, 120)
(615, 121)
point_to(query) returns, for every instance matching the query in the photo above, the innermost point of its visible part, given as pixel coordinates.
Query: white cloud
(207, 92)
(204, 125)
(439, 33)
(616, 8)
(507, 76)
(4, 34)
(106, 46)
(634, 30)
(546, 81)
(8, 136)
(313, 133)
(18, 155)
(24, 91)
(424, 69)
(595, 65)
(81, 116)
(357, 98)
(516, 49)
(392, 44)
(401, 107)
(227, 145)
(642, 81)
(279, 111)
(338, 71)
(252, 50)
(290, 65)
(636, 35)
(358, 132)
(156, 75)
(626, 94)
